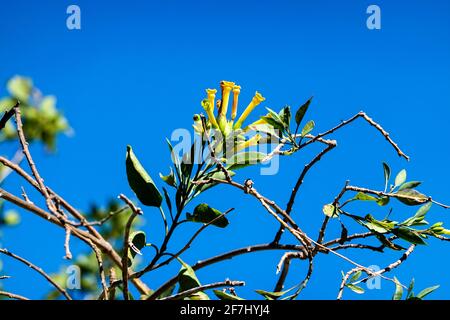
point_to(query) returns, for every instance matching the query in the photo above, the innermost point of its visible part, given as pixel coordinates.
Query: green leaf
(225, 296)
(137, 241)
(216, 175)
(300, 114)
(188, 280)
(354, 288)
(398, 290)
(309, 126)
(387, 174)
(422, 294)
(409, 185)
(365, 197)
(419, 217)
(383, 201)
(389, 244)
(169, 179)
(411, 197)
(141, 182)
(409, 235)
(285, 116)
(410, 293)
(273, 122)
(244, 159)
(167, 198)
(187, 162)
(356, 276)
(205, 214)
(167, 293)
(378, 226)
(271, 295)
(400, 178)
(20, 88)
(330, 211)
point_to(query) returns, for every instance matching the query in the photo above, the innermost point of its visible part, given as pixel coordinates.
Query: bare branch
(12, 295)
(370, 121)
(330, 146)
(38, 270)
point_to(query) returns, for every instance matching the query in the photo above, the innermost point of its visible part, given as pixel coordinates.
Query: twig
(126, 243)
(68, 255)
(187, 245)
(330, 145)
(363, 115)
(327, 218)
(283, 267)
(26, 151)
(344, 281)
(38, 270)
(192, 291)
(101, 269)
(357, 246)
(12, 295)
(305, 281)
(394, 195)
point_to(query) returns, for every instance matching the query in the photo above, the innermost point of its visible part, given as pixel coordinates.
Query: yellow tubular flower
(236, 91)
(253, 141)
(211, 95)
(226, 86)
(257, 99)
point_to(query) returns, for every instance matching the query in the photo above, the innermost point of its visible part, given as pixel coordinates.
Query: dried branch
(284, 265)
(370, 121)
(68, 255)
(330, 146)
(344, 281)
(38, 270)
(101, 269)
(12, 295)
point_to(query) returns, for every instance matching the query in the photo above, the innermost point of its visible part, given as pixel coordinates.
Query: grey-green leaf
(365, 197)
(411, 197)
(245, 159)
(410, 185)
(205, 214)
(387, 174)
(422, 294)
(309, 126)
(169, 179)
(141, 182)
(226, 296)
(400, 178)
(409, 235)
(398, 290)
(268, 295)
(354, 288)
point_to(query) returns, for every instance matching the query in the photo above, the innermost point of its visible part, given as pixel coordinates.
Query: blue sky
(136, 71)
